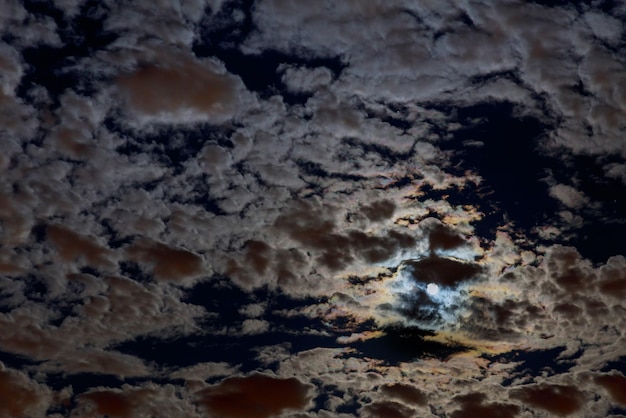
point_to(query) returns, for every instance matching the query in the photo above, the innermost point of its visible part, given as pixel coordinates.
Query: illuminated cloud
(98, 361)
(569, 196)
(204, 371)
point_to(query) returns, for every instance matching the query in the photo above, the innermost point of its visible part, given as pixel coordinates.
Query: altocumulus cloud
(240, 209)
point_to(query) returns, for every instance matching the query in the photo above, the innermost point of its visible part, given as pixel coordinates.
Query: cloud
(71, 246)
(388, 409)
(616, 171)
(560, 400)
(473, 405)
(442, 271)
(615, 385)
(158, 170)
(177, 88)
(406, 393)
(96, 361)
(309, 226)
(253, 310)
(204, 371)
(20, 396)
(309, 238)
(379, 211)
(168, 264)
(444, 238)
(569, 196)
(613, 278)
(604, 26)
(254, 326)
(302, 79)
(107, 311)
(254, 396)
(132, 401)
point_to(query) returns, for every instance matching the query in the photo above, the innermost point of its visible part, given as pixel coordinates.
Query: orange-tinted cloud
(69, 142)
(472, 406)
(254, 396)
(18, 398)
(72, 246)
(613, 278)
(169, 264)
(406, 393)
(179, 84)
(556, 399)
(148, 400)
(113, 404)
(615, 384)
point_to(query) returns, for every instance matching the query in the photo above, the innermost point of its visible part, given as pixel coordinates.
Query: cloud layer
(235, 208)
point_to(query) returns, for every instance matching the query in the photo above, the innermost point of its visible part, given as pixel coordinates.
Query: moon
(432, 289)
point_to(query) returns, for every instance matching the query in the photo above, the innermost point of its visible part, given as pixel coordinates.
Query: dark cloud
(557, 399)
(500, 320)
(379, 211)
(474, 405)
(18, 396)
(133, 401)
(177, 84)
(262, 264)
(399, 344)
(442, 237)
(615, 385)
(387, 409)
(167, 263)
(254, 396)
(72, 245)
(406, 393)
(442, 271)
(612, 281)
(113, 404)
(312, 226)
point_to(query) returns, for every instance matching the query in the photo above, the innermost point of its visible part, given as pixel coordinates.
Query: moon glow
(432, 289)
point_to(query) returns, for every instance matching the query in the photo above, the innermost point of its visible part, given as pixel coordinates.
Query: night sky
(312, 209)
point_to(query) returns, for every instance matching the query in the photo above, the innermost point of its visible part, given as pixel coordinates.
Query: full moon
(432, 289)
